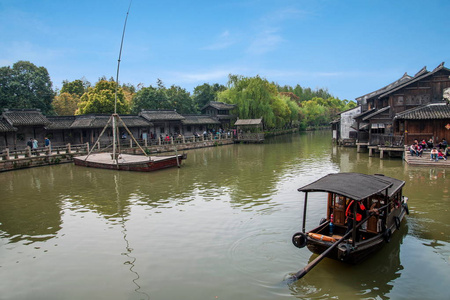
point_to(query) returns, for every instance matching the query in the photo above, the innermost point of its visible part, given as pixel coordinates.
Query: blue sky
(349, 47)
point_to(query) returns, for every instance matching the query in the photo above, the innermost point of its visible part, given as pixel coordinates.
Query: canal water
(220, 227)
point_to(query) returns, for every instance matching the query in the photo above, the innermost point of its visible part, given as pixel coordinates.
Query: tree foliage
(256, 97)
(77, 87)
(205, 93)
(100, 99)
(66, 104)
(161, 97)
(26, 86)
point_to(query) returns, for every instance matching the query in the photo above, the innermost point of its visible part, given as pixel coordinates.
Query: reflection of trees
(30, 207)
(372, 279)
(35, 198)
(251, 172)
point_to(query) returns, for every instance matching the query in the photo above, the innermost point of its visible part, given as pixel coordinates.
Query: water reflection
(29, 209)
(219, 226)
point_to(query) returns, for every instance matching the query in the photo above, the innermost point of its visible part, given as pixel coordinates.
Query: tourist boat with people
(363, 211)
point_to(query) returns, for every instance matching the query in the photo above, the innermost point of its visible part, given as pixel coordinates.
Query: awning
(354, 185)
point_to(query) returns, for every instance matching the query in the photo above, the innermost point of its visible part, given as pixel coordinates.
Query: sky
(349, 47)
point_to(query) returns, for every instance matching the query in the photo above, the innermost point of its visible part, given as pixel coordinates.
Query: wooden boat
(127, 162)
(384, 208)
(120, 161)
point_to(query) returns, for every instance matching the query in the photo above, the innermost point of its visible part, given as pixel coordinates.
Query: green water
(220, 227)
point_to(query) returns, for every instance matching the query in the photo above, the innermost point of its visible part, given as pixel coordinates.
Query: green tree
(66, 104)
(181, 100)
(26, 86)
(101, 99)
(255, 97)
(205, 93)
(162, 98)
(77, 87)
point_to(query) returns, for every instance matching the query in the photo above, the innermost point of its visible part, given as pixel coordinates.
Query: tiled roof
(379, 111)
(365, 113)
(59, 122)
(419, 76)
(219, 105)
(403, 79)
(199, 120)
(5, 126)
(99, 121)
(161, 115)
(248, 122)
(428, 112)
(25, 117)
(135, 121)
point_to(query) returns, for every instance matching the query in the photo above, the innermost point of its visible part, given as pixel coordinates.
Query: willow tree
(253, 97)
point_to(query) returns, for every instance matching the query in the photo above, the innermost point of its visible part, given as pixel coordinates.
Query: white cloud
(224, 40)
(266, 41)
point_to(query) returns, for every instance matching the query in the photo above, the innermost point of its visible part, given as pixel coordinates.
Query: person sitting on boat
(360, 213)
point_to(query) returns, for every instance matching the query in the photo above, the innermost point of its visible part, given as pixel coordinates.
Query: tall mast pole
(114, 123)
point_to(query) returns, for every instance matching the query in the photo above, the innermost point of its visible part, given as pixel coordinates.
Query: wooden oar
(312, 264)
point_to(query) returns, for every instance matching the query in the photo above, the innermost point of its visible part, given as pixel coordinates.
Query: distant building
(221, 112)
(385, 113)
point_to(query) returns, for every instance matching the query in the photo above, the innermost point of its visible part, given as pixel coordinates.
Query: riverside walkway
(27, 158)
(425, 160)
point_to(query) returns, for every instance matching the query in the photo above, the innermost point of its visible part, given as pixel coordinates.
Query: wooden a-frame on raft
(385, 207)
(117, 160)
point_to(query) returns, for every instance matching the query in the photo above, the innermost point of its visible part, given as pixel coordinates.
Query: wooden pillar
(381, 153)
(370, 151)
(68, 150)
(6, 153)
(87, 147)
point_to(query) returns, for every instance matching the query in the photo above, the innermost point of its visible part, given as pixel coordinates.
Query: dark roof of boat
(355, 186)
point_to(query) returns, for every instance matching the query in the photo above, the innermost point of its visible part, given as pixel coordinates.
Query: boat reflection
(333, 279)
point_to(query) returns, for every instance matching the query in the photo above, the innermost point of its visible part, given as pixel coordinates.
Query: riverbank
(16, 160)
(425, 160)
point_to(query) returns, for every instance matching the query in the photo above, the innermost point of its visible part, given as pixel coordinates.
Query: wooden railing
(8, 154)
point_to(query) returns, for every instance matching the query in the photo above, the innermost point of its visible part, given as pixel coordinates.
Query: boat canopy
(355, 186)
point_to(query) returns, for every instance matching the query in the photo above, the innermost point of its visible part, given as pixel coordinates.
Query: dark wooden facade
(378, 123)
(425, 122)
(221, 112)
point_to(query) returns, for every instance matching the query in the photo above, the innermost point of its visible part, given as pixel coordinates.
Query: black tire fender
(387, 235)
(299, 239)
(397, 222)
(344, 252)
